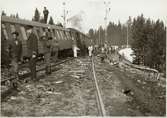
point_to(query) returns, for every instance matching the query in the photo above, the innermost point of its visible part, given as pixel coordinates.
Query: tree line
(11, 15)
(149, 42)
(147, 38)
(116, 34)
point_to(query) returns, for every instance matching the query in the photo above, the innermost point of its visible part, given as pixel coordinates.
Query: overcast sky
(90, 12)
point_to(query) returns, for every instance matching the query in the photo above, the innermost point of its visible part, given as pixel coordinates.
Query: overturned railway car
(66, 38)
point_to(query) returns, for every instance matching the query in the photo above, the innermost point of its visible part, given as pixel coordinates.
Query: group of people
(50, 47)
(106, 52)
(76, 49)
(14, 50)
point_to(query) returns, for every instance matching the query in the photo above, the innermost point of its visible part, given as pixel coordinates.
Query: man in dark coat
(32, 45)
(48, 51)
(5, 59)
(55, 49)
(45, 13)
(15, 47)
(47, 46)
(15, 53)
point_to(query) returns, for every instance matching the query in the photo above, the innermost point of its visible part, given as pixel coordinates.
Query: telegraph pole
(99, 37)
(107, 10)
(128, 29)
(65, 12)
(127, 36)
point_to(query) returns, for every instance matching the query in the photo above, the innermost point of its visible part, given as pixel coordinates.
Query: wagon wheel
(7, 83)
(15, 82)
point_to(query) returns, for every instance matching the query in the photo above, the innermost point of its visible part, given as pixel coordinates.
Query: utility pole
(127, 36)
(65, 12)
(128, 27)
(107, 10)
(166, 32)
(99, 42)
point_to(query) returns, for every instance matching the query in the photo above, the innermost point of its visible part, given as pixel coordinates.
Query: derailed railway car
(64, 37)
(81, 40)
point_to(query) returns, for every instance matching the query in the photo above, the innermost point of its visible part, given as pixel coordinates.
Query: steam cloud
(76, 21)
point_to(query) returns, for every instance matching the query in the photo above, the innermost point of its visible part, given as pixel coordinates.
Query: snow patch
(127, 53)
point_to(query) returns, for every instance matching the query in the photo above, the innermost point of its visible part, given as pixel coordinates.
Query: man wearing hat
(45, 13)
(15, 53)
(32, 45)
(47, 45)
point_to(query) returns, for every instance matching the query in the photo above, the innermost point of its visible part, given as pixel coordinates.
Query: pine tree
(148, 31)
(36, 15)
(51, 22)
(101, 35)
(139, 41)
(159, 46)
(129, 24)
(109, 30)
(17, 15)
(149, 43)
(3, 13)
(91, 34)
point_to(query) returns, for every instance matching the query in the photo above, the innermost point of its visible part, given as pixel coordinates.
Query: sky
(88, 13)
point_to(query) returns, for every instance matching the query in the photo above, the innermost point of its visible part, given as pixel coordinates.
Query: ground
(143, 97)
(70, 91)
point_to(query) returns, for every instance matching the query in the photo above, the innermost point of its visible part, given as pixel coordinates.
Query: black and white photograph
(83, 58)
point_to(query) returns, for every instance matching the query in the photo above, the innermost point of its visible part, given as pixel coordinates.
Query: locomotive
(65, 37)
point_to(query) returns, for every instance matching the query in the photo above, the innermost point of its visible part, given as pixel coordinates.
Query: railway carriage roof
(37, 24)
(27, 22)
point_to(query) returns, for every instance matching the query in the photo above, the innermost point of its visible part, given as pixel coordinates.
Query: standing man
(32, 44)
(75, 49)
(90, 48)
(48, 51)
(45, 13)
(103, 54)
(47, 46)
(15, 53)
(84, 49)
(55, 50)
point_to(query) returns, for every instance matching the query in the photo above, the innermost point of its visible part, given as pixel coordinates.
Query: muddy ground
(130, 94)
(70, 91)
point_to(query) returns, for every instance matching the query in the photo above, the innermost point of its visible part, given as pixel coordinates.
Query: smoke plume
(76, 21)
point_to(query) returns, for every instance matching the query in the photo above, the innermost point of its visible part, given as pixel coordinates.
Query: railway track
(84, 86)
(100, 103)
(99, 100)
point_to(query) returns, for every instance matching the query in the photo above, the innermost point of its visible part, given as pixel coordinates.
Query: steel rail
(99, 97)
